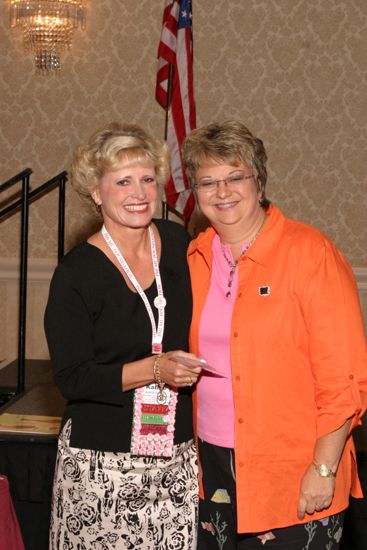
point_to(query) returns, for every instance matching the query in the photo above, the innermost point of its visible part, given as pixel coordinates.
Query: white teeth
(135, 207)
(225, 205)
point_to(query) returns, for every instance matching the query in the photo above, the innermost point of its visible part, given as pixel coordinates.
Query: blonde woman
(117, 323)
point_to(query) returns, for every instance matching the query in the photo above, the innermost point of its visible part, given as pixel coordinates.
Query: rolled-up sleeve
(337, 342)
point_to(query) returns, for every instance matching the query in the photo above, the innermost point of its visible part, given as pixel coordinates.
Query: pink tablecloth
(10, 535)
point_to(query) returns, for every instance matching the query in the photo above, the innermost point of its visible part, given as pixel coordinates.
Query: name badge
(153, 421)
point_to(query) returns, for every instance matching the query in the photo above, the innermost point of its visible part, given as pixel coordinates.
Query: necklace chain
(233, 265)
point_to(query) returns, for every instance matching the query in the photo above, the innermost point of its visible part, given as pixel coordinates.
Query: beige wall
(293, 71)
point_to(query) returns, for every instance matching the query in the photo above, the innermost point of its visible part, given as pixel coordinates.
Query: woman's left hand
(316, 492)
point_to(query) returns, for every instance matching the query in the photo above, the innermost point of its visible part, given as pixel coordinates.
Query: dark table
(29, 460)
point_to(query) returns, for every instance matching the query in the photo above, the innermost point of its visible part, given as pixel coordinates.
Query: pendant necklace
(233, 265)
(159, 301)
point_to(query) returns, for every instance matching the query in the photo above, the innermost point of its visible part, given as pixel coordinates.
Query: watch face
(324, 470)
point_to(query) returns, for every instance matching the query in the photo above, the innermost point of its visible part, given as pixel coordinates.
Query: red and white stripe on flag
(175, 48)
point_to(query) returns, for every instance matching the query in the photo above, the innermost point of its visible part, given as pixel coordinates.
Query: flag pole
(169, 98)
(168, 104)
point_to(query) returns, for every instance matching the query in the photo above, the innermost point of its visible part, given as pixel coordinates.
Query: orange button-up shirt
(299, 364)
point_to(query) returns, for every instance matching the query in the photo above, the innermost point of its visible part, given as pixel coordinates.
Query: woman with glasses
(277, 319)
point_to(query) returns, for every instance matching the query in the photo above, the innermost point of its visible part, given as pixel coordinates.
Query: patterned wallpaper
(295, 72)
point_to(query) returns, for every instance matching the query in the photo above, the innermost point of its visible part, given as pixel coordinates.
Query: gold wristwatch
(323, 470)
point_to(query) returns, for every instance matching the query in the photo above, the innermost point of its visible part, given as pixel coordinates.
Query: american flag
(175, 48)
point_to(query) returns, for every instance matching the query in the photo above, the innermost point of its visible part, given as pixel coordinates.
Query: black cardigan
(94, 324)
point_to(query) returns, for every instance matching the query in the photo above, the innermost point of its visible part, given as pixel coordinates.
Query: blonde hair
(229, 142)
(111, 146)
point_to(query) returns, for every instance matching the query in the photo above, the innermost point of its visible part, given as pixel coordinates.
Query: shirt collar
(262, 250)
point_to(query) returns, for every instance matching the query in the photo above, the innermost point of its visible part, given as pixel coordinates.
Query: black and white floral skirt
(105, 500)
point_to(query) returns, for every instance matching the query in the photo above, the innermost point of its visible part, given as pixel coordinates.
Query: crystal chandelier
(48, 28)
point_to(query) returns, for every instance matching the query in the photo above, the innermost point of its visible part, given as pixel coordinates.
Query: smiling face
(228, 203)
(128, 195)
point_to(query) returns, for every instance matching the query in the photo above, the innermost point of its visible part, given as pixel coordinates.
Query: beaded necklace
(233, 265)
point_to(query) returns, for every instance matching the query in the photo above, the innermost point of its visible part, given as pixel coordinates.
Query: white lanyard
(159, 301)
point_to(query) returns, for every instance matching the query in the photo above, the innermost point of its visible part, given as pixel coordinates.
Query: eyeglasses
(233, 181)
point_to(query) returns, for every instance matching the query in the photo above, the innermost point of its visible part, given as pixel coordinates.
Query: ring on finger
(189, 383)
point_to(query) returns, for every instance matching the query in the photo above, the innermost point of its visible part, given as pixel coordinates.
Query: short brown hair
(229, 141)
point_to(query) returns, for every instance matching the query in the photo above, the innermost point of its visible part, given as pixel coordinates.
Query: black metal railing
(22, 204)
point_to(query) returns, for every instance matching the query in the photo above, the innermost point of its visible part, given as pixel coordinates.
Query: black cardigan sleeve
(70, 334)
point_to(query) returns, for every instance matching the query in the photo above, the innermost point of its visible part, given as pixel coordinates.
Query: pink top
(215, 413)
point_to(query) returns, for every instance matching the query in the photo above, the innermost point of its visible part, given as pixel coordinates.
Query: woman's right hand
(316, 493)
(180, 369)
